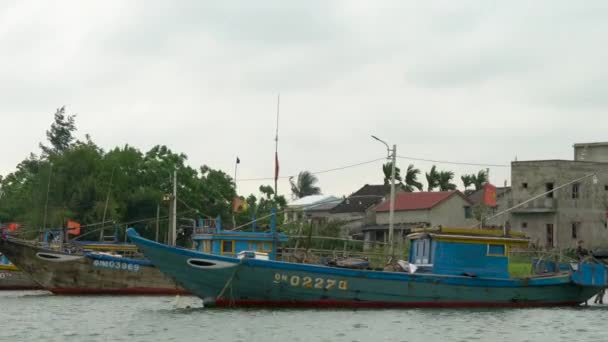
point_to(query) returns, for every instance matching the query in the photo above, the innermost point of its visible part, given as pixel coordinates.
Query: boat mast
(172, 232)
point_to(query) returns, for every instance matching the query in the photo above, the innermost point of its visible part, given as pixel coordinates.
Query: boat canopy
(463, 251)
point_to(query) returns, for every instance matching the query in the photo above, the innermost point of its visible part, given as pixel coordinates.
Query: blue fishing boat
(446, 268)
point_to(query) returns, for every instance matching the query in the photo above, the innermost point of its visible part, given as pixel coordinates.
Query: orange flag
(73, 228)
(239, 205)
(489, 195)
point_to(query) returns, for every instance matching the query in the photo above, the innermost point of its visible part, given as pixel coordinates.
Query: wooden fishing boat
(88, 273)
(103, 268)
(11, 278)
(446, 268)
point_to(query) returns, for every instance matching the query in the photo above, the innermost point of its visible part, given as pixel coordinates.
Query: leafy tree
(411, 179)
(480, 179)
(467, 180)
(445, 181)
(305, 185)
(61, 133)
(432, 179)
(387, 169)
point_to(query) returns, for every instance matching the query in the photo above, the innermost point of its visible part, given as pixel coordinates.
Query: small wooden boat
(11, 278)
(447, 268)
(89, 273)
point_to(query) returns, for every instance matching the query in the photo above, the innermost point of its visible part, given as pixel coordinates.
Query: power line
(318, 172)
(452, 162)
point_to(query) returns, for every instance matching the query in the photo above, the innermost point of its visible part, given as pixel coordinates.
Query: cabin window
(423, 251)
(253, 246)
(227, 247)
(575, 190)
(266, 247)
(468, 213)
(497, 250)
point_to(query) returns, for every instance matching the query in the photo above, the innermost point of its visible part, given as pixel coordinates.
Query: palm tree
(480, 179)
(467, 180)
(445, 181)
(387, 169)
(411, 179)
(432, 178)
(305, 185)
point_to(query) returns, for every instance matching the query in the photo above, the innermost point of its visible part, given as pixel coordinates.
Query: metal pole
(105, 208)
(276, 145)
(173, 232)
(391, 214)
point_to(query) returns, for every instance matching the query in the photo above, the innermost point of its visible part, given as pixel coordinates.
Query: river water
(39, 316)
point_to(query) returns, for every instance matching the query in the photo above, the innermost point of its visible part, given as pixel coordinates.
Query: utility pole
(391, 213)
(392, 156)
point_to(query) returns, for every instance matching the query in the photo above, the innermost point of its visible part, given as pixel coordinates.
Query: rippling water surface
(38, 316)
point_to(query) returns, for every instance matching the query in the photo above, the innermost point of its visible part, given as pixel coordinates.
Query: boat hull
(11, 278)
(63, 273)
(225, 281)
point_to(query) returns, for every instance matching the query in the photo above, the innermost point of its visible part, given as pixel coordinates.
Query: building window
(606, 187)
(549, 235)
(549, 187)
(468, 212)
(575, 229)
(524, 224)
(575, 190)
(524, 185)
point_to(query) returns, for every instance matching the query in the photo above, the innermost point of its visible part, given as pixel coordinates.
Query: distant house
(503, 199)
(314, 209)
(353, 210)
(419, 209)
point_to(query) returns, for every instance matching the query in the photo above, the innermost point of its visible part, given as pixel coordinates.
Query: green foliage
(432, 178)
(387, 170)
(411, 179)
(467, 180)
(305, 185)
(445, 181)
(79, 177)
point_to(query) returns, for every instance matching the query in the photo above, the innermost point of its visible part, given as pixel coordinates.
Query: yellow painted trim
(8, 268)
(222, 251)
(110, 248)
(467, 231)
(475, 240)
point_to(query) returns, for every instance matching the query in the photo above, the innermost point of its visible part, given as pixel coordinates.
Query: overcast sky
(464, 81)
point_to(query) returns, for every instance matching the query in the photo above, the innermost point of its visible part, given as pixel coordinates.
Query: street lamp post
(392, 155)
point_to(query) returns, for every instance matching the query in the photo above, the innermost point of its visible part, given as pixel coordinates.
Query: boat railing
(204, 230)
(526, 262)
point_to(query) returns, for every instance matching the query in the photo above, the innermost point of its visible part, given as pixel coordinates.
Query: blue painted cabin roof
(471, 252)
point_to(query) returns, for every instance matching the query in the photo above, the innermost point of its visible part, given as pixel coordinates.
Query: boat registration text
(310, 282)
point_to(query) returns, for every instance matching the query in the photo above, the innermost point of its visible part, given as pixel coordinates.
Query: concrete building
(420, 209)
(574, 212)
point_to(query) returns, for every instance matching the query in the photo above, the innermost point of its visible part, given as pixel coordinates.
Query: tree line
(73, 179)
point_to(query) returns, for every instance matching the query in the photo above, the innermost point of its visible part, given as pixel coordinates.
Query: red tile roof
(417, 200)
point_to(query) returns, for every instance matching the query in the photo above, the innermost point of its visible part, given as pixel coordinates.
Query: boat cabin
(463, 251)
(209, 237)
